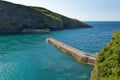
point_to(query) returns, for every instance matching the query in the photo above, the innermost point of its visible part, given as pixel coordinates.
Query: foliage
(108, 61)
(48, 13)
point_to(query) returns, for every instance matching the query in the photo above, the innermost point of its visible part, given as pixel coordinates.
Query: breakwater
(77, 54)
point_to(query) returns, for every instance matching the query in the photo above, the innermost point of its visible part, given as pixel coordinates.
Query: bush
(108, 61)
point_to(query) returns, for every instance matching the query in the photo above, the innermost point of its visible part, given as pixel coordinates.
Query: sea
(29, 57)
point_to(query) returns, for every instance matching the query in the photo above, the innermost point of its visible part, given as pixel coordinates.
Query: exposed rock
(108, 61)
(14, 18)
(42, 31)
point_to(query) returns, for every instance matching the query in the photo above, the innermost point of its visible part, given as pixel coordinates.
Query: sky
(84, 10)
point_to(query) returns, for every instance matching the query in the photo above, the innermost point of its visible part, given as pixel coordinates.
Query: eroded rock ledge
(36, 31)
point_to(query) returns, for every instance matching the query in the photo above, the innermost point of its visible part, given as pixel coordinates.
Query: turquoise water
(29, 57)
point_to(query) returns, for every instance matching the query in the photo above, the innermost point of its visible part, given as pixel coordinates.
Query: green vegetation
(48, 13)
(108, 61)
(14, 18)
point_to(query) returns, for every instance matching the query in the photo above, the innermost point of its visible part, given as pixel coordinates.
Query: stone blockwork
(77, 54)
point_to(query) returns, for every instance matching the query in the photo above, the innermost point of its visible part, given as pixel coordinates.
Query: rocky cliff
(14, 18)
(108, 61)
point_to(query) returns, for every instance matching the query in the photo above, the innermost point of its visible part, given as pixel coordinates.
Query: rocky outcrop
(36, 31)
(108, 61)
(14, 18)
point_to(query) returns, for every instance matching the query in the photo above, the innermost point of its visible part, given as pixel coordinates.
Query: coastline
(36, 31)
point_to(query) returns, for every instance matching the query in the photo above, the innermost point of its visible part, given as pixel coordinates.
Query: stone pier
(77, 54)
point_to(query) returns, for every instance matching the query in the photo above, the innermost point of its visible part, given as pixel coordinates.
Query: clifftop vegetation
(108, 61)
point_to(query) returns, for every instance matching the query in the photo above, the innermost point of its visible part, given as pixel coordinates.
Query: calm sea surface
(29, 57)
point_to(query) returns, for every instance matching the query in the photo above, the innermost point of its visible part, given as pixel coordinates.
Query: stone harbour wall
(77, 54)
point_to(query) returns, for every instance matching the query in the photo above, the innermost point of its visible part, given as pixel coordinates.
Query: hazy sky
(85, 10)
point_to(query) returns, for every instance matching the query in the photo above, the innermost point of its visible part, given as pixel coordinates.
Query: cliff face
(108, 61)
(14, 18)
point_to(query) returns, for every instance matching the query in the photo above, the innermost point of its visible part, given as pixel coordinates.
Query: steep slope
(108, 61)
(14, 18)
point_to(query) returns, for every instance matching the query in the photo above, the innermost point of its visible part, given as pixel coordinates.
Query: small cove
(29, 57)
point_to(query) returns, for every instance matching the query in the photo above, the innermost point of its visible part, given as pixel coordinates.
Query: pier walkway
(77, 54)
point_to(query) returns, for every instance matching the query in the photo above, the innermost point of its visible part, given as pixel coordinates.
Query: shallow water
(29, 57)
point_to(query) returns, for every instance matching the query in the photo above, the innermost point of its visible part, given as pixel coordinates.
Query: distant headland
(14, 18)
